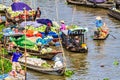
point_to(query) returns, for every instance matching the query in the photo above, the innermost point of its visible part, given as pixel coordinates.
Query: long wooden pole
(56, 10)
(63, 53)
(25, 49)
(74, 9)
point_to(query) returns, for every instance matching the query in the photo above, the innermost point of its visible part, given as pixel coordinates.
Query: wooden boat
(90, 4)
(100, 37)
(16, 19)
(114, 13)
(47, 55)
(41, 65)
(68, 41)
(37, 64)
(58, 71)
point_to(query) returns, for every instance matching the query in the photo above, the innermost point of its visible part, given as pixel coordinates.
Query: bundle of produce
(29, 33)
(33, 61)
(2, 7)
(46, 50)
(55, 24)
(19, 13)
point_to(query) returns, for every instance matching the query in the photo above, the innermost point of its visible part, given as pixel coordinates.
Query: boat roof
(80, 28)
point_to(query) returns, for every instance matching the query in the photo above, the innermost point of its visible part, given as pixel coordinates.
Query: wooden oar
(113, 36)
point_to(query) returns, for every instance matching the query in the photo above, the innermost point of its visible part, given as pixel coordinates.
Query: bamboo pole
(56, 1)
(74, 9)
(63, 53)
(25, 50)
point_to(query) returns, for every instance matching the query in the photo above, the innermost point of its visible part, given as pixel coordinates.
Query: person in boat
(37, 14)
(77, 42)
(62, 26)
(16, 67)
(99, 24)
(58, 63)
(48, 29)
(68, 42)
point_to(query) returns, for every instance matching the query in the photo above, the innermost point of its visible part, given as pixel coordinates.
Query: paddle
(112, 36)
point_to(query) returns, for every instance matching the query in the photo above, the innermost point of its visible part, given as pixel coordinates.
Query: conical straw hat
(98, 18)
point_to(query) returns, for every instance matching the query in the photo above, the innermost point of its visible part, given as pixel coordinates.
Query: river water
(97, 64)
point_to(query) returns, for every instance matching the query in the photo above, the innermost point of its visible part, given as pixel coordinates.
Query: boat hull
(58, 71)
(114, 13)
(91, 4)
(95, 38)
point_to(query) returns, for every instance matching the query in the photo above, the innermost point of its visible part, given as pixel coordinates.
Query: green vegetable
(106, 79)
(68, 73)
(45, 65)
(5, 66)
(116, 63)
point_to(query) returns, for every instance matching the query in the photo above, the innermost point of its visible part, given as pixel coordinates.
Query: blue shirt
(16, 56)
(99, 23)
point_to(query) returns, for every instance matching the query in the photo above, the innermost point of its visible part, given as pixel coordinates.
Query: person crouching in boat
(16, 67)
(58, 63)
(48, 29)
(99, 24)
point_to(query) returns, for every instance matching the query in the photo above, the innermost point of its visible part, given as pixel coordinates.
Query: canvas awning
(19, 6)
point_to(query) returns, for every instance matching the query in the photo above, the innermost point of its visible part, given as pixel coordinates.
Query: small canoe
(100, 38)
(37, 66)
(58, 71)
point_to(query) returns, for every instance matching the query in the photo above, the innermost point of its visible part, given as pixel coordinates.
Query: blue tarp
(19, 6)
(51, 33)
(44, 21)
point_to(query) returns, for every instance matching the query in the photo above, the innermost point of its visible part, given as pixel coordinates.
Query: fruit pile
(17, 13)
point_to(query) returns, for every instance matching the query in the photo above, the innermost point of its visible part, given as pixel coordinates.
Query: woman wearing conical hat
(99, 22)
(62, 26)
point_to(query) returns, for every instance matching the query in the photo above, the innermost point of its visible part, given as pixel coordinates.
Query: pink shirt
(63, 27)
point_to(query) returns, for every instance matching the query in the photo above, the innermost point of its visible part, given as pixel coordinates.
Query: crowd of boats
(112, 6)
(43, 52)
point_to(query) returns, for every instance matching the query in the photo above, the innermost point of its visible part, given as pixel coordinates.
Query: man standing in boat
(48, 28)
(37, 14)
(16, 67)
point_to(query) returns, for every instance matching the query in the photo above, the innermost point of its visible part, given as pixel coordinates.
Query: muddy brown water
(97, 64)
